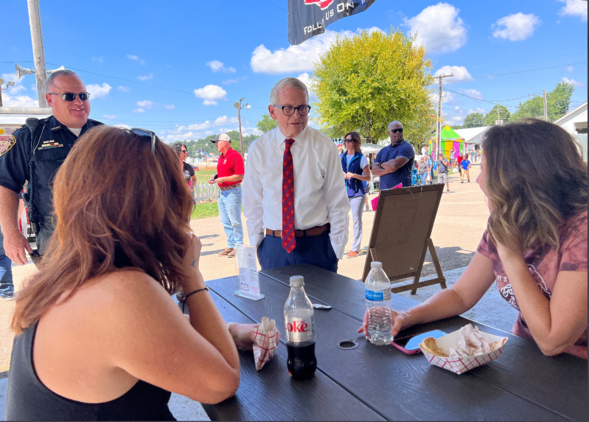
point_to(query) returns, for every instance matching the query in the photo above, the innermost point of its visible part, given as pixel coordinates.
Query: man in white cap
(229, 175)
(295, 198)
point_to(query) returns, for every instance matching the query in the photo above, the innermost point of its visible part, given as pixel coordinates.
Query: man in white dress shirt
(294, 198)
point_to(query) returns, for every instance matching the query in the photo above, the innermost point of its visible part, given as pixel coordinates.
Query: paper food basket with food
(463, 350)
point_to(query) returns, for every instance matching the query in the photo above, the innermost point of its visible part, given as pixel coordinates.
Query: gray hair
(59, 73)
(291, 82)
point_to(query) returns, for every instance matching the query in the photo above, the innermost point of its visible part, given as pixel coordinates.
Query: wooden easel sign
(401, 235)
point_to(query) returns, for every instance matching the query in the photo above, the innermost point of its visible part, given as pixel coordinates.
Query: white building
(575, 123)
(473, 135)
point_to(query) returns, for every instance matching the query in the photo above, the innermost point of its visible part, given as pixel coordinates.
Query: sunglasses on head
(70, 96)
(145, 134)
(396, 130)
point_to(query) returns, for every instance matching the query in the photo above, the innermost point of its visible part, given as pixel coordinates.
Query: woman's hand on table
(400, 322)
(243, 335)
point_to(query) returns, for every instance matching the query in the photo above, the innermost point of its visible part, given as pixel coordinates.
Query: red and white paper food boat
(460, 365)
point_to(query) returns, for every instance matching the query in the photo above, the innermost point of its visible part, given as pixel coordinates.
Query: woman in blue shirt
(356, 171)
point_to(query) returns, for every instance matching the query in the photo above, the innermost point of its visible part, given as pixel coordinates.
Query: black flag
(307, 18)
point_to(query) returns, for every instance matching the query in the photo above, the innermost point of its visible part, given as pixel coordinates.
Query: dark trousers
(314, 250)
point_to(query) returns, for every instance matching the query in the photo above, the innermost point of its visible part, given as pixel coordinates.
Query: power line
(492, 101)
(231, 17)
(275, 5)
(529, 70)
(267, 14)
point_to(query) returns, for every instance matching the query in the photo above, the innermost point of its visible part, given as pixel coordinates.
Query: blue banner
(307, 18)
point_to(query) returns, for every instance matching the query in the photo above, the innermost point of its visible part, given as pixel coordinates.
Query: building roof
(473, 135)
(578, 110)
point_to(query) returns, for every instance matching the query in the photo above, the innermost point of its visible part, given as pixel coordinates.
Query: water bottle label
(378, 295)
(299, 330)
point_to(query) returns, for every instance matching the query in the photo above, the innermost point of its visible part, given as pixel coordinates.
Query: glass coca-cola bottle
(300, 331)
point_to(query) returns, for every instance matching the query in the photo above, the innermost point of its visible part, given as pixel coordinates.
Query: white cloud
(570, 69)
(145, 104)
(124, 88)
(210, 93)
(97, 91)
(135, 58)
(460, 74)
(234, 81)
(110, 116)
(438, 28)
(170, 106)
(218, 66)
(516, 27)
(573, 82)
(122, 126)
(97, 59)
(456, 108)
(476, 110)
(306, 79)
(16, 89)
(18, 101)
(296, 58)
(447, 97)
(574, 8)
(146, 77)
(200, 130)
(473, 93)
(138, 110)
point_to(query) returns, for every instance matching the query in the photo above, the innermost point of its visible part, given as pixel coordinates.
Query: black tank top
(28, 399)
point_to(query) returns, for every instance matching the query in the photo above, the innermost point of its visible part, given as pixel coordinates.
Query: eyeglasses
(70, 96)
(145, 133)
(290, 110)
(396, 130)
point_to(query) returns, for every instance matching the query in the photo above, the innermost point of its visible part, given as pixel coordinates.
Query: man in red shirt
(229, 175)
(459, 160)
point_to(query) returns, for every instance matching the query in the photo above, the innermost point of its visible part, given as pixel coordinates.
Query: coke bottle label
(378, 295)
(300, 329)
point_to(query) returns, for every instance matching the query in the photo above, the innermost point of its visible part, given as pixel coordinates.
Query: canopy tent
(371, 148)
(449, 140)
(473, 135)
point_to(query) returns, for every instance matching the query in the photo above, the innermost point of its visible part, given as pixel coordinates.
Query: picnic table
(380, 382)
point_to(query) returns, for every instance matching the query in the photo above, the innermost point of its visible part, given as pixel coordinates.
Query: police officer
(34, 154)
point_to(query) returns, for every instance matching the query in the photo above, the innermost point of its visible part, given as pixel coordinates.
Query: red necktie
(288, 237)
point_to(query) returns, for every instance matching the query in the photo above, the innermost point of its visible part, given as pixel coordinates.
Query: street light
(9, 83)
(239, 106)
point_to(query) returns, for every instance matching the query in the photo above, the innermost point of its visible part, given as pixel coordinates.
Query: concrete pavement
(461, 220)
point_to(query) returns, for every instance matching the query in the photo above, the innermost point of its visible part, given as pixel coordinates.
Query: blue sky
(209, 54)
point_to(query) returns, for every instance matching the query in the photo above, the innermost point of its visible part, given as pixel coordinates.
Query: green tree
(364, 82)
(267, 123)
(558, 102)
(491, 116)
(474, 120)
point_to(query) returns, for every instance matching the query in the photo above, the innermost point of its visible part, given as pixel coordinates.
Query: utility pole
(238, 106)
(545, 99)
(38, 51)
(498, 116)
(439, 122)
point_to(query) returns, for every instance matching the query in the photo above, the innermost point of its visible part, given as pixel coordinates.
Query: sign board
(307, 18)
(248, 283)
(401, 235)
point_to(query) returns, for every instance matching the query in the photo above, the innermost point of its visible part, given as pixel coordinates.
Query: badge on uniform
(50, 144)
(6, 142)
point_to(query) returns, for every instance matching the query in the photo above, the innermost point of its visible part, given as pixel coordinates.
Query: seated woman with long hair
(99, 336)
(535, 245)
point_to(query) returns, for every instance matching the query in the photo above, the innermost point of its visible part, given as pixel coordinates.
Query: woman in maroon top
(535, 245)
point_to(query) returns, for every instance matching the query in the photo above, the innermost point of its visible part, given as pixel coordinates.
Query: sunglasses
(396, 130)
(183, 151)
(145, 134)
(349, 140)
(70, 96)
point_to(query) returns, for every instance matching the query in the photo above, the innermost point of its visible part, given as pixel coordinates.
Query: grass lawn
(205, 210)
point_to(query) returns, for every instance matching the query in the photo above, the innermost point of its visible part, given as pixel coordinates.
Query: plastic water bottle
(378, 304)
(300, 331)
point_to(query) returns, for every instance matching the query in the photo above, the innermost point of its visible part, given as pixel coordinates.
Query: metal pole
(38, 51)
(0, 96)
(498, 117)
(439, 143)
(240, 136)
(545, 100)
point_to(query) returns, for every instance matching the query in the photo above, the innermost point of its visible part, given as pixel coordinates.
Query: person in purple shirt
(393, 164)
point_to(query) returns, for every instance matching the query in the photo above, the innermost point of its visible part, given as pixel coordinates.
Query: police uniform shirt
(47, 148)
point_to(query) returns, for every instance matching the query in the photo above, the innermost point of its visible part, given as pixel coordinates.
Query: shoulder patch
(6, 142)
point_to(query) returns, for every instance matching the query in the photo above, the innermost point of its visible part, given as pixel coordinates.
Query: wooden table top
(374, 383)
